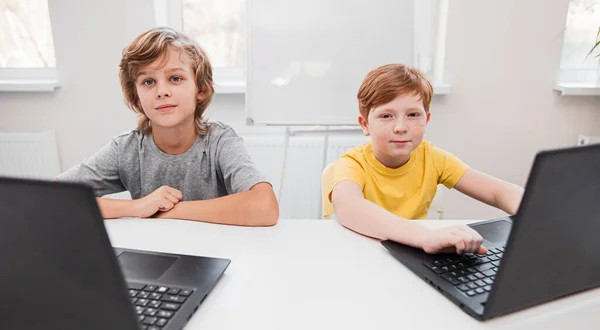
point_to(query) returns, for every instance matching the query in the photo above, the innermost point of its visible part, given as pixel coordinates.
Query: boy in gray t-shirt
(175, 165)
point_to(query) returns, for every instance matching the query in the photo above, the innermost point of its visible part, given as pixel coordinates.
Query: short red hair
(387, 82)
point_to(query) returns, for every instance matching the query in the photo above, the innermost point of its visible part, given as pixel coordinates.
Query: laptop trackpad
(494, 232)
(144, 266)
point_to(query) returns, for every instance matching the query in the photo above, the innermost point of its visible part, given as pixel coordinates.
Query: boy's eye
(176, 79)
(386, 116)
(148, 82)
(414, 114)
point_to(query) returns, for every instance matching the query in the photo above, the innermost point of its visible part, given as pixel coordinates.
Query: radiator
(29, 155)
(299, 190)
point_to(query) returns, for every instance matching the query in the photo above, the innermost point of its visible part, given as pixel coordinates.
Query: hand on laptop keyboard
(454, 239)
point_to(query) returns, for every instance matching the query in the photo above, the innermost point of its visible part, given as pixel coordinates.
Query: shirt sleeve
(347, 168)
(450, 169)
(100, 171)
(235, 164)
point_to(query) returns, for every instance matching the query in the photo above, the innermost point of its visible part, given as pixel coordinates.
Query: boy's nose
(163, 94)
(400, 126)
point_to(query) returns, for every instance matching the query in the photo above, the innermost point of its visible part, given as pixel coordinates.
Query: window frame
(28, 80)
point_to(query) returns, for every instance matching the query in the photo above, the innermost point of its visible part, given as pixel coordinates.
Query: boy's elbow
(266, 211)
(266, 215)
(348, 210)
(271, 211)
(341, 212)
(271, 216)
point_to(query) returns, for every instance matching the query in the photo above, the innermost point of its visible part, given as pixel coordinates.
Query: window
(583, 24)
(219, 26)
(27, 60)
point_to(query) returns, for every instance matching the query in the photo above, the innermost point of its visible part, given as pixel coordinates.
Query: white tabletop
(315, 274)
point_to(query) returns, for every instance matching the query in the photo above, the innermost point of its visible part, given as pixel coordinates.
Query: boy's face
(167, 90)
(396, 129)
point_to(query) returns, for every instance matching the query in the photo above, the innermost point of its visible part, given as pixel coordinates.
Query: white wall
(502, 58)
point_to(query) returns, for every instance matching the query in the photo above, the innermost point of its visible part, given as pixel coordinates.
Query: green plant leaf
(597, 45)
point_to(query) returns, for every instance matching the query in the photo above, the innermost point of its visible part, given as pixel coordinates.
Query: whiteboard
(307, 58)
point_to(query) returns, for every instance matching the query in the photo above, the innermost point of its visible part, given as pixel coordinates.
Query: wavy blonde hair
(153, 45)
(385, 83)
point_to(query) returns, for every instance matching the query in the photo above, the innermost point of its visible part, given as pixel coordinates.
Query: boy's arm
(360, 215)
(117, 208)
(163, 198)
(490, 190)
(255, 207)
(250, 199)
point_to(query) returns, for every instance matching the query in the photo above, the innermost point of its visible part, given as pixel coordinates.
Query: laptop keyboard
(156, 305)
(472, 274)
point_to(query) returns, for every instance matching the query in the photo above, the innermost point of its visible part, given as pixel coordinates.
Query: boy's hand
(162, 199)
(454, 239)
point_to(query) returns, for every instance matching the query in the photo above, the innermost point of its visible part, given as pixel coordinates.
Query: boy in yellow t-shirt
(381, 184)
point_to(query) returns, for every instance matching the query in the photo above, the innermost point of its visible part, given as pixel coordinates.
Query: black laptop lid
(58, 268)
(554, 246)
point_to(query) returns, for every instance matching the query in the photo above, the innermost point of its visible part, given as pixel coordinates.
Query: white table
(315, 274)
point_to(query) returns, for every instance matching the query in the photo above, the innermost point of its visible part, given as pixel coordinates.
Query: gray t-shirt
(216, 165)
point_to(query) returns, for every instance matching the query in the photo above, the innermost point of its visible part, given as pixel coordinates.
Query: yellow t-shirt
(406, 191)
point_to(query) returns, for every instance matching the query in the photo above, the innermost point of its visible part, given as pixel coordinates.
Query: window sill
(577, 89)
(230, 87)
(29, 85)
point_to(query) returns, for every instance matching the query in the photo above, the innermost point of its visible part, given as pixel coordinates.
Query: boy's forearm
(509, 198)
(116, 208)
(371, 220)
(248, 208)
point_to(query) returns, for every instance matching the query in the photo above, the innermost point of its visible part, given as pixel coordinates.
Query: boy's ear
(364, 125)
(200, 96)
(428, 117)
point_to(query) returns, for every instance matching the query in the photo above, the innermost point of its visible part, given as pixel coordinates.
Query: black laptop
(59, 270)
(549, 249)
